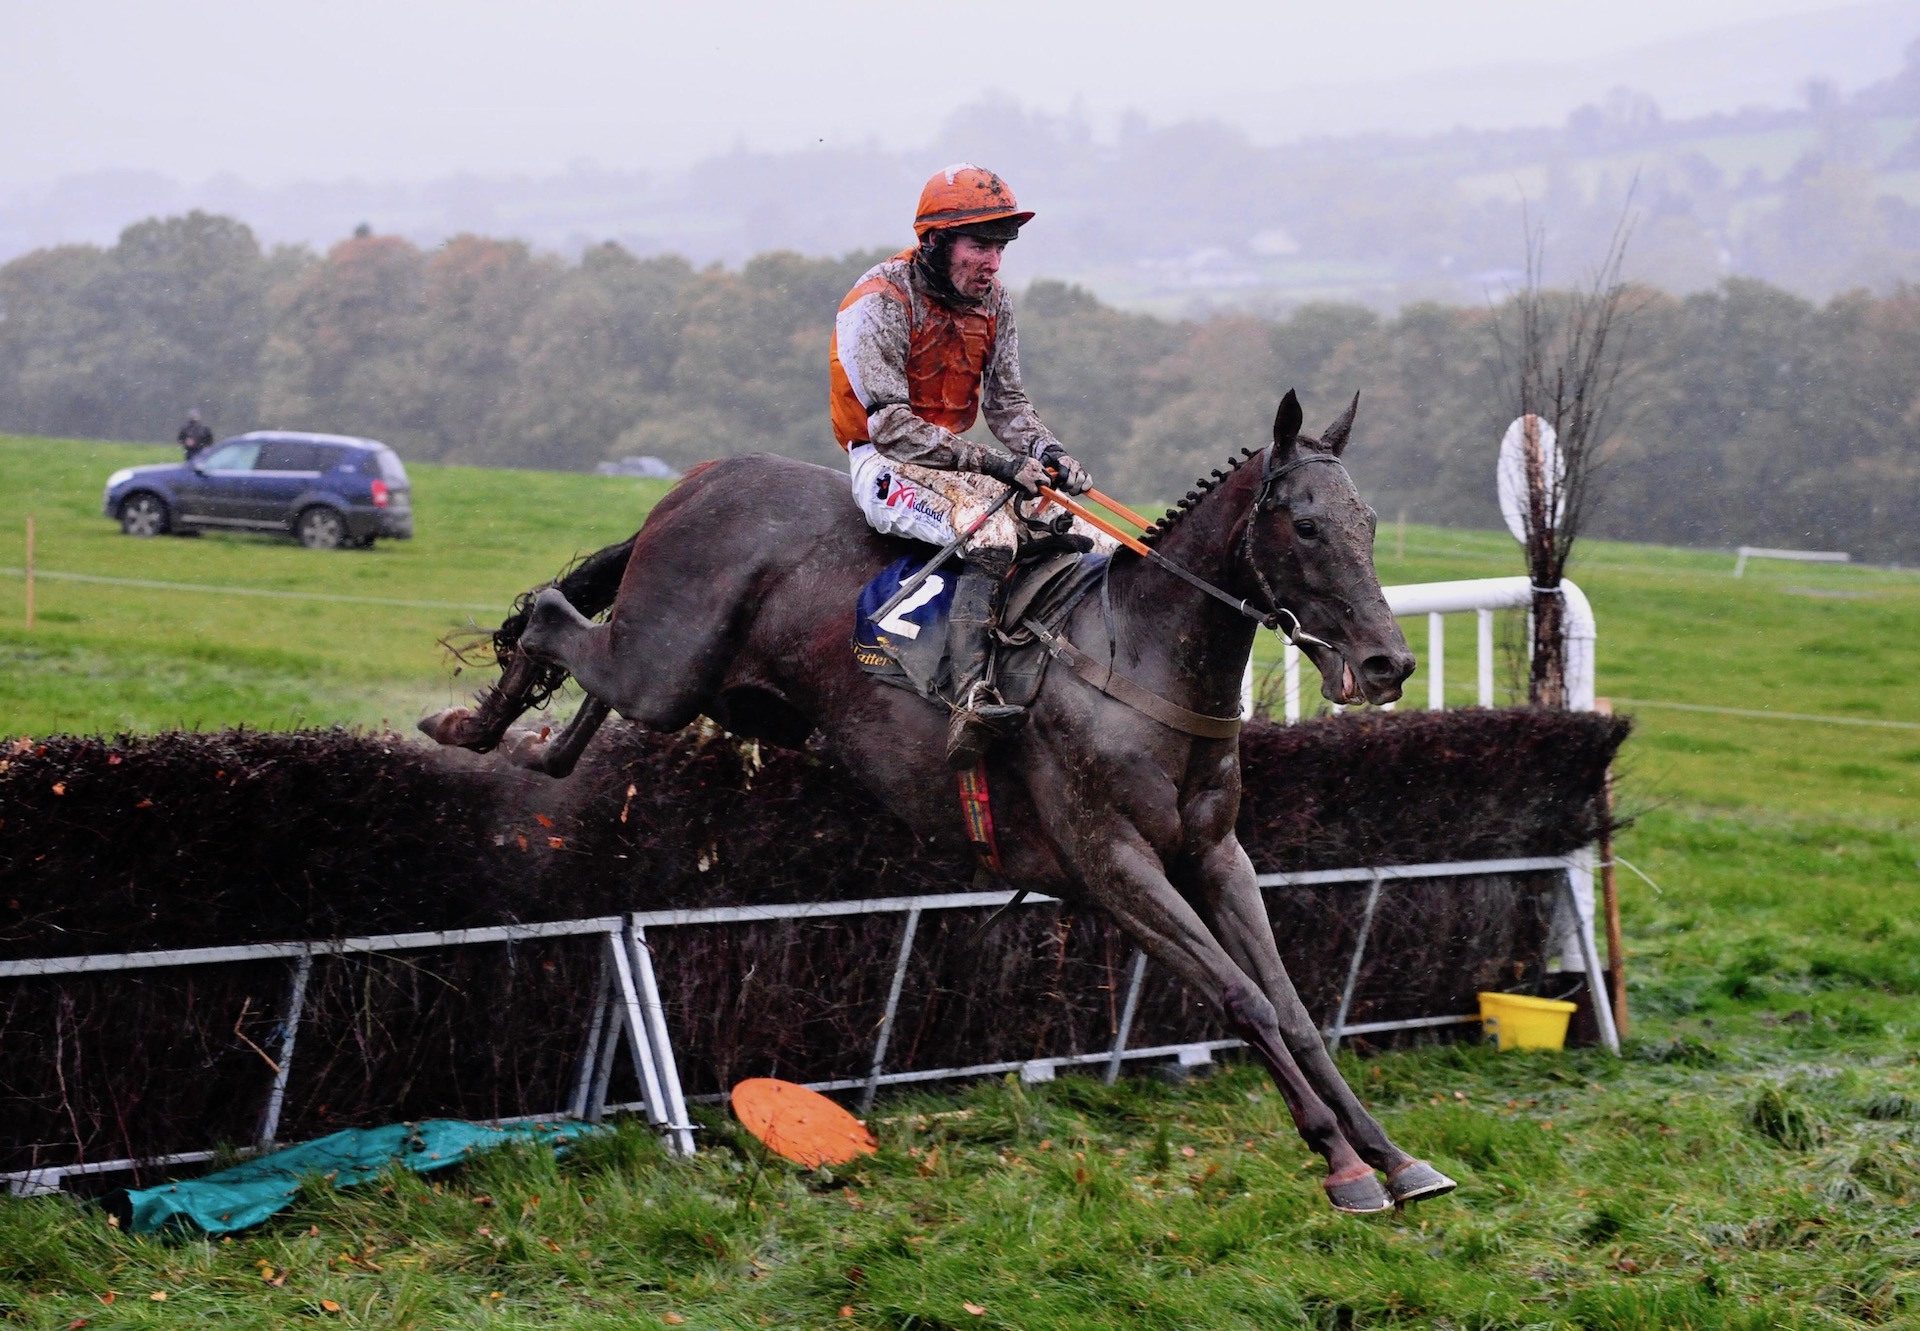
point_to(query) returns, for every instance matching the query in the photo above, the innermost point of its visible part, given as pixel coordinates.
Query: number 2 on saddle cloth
(908, 649)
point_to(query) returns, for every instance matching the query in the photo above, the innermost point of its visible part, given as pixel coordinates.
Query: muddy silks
(947, 352)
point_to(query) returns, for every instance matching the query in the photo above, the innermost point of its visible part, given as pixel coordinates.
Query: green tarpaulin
(251, 1191)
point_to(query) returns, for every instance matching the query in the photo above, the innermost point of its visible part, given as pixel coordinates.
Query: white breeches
(923, 504)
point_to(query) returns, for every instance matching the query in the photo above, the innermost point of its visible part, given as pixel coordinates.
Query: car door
(285, 470)
(210, 495)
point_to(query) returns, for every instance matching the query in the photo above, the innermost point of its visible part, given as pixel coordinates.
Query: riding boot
(980, 715)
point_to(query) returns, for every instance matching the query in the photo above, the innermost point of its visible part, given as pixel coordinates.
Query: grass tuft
(1778, 1113)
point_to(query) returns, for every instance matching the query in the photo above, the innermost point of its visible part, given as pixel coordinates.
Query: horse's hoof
(1358, 1196)
(445, 725)
(1416, 1181)
(527, 748)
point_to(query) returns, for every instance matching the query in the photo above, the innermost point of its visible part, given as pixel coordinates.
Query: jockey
(922, 346)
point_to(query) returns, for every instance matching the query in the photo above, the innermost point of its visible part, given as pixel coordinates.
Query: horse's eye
(1307, 528)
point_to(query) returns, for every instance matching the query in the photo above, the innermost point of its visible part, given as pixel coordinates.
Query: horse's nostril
(1387, 667)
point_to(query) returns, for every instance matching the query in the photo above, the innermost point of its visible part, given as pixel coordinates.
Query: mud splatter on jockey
(924, 345)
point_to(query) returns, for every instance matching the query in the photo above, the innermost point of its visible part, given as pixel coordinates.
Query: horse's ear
(1286, 423)
(1335, 437)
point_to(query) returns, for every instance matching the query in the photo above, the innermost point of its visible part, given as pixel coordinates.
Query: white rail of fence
(1480, 597)
(630, 1009)
(1747, 552)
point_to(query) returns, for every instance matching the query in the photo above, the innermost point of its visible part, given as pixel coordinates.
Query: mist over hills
(1818, 193)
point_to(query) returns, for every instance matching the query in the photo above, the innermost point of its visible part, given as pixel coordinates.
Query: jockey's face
(973, 264)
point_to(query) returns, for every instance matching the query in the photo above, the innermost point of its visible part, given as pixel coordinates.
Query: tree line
(1748, 415)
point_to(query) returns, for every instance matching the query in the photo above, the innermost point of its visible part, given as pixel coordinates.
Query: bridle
(1266, 501)
(1278, 618)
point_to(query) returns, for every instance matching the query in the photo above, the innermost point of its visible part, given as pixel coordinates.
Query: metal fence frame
(630, 1009)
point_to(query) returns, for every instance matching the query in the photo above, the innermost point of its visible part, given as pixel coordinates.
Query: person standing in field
(923, 345)
(194, 435)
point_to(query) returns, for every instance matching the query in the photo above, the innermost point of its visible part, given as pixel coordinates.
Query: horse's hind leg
(480, 727)
(657, 672)
(559, 754)
(1230, 900)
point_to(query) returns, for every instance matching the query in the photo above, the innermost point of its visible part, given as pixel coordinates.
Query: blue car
(324, 490)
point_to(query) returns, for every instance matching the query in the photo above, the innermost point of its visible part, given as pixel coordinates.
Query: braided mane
(1193, 496)
(1203, 485)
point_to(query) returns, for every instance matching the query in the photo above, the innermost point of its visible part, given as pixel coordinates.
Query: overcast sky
(410, 89)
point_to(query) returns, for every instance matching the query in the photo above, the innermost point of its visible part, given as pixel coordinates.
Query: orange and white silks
(908, 374)
(942, 361)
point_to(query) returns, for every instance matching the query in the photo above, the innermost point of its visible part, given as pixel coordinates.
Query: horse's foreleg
(1136, 892)
(559, 754)
(1230, 899)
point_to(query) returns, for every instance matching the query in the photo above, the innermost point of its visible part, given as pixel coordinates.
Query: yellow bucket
(1518, 1021)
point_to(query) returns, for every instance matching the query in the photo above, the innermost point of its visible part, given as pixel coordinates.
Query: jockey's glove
(1073, 478)
(1025, 473)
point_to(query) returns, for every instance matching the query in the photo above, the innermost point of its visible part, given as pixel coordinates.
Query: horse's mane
(1193, 496)
(1202, 486)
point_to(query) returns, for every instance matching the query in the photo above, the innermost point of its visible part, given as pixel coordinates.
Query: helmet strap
(934, 259)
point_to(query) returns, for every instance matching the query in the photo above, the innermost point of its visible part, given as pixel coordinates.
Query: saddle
(908, 649)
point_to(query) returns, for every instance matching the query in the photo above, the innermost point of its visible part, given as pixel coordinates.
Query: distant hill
(1816, 189)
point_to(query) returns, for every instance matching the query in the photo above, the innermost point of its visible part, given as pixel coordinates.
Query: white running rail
(1747, 552)
(1480, 597)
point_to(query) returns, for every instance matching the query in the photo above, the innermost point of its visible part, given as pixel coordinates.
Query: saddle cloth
(908, 648)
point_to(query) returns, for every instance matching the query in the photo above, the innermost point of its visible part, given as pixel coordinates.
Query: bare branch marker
(1561, 357)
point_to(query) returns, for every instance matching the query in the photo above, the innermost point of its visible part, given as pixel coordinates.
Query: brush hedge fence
(191, 840)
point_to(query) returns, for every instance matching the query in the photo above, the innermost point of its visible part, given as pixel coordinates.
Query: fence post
(1353, 966)
(584, 1079)
(673, 1103)
(1436, 662)
(1136, 972)
(1610, 894)
(907, 931)
(283, 1071)
(29, 572)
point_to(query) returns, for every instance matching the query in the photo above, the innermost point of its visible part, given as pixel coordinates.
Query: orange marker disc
(798, 1124)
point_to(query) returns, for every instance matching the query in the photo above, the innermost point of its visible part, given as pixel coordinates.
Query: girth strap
(1122, 689)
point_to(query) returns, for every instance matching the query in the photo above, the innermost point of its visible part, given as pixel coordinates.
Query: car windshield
(235, 456)
(390, 469)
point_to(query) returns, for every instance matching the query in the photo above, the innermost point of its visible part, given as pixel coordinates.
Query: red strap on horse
(976, 815)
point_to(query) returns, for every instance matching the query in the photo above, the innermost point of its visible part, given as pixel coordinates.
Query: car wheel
(320, 528)
(144, 514)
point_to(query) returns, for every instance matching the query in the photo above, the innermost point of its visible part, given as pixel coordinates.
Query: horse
(735, 600)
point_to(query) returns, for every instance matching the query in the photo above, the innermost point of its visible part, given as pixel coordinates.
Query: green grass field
(1753, 1162)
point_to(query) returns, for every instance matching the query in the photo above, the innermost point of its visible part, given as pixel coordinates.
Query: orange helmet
(963, 197)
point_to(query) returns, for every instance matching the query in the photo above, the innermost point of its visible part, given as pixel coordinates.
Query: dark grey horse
(736, 601)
